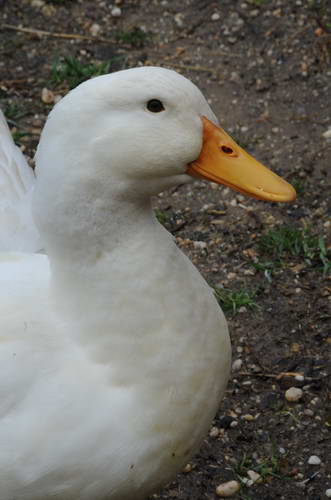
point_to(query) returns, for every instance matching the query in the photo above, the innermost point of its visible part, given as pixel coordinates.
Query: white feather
(17, 229)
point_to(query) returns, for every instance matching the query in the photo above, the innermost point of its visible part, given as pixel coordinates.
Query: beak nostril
(227, 150)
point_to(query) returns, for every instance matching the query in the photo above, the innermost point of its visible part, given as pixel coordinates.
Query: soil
(264, 66)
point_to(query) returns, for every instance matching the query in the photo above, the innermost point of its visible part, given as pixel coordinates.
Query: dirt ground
(264, 66)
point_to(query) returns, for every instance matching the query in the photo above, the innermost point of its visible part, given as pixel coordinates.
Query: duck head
(142, 130)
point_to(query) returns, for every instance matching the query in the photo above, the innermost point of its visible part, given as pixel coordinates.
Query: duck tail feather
(17, 179)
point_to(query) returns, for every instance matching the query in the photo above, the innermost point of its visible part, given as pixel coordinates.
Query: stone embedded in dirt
(37, 3)
(116, 12)
(226, 422)
(328, 493)
(327, 134)
(237, 364)
(47, 96)
(187, 468)
(178, 18)
(248, 417)
(214, 432)
(216, 16)
(314, 460)
(308, 412)
(254, 476)
(48, 10)
(200, 245)
(95, 29)
(228, 489)
(293, 394)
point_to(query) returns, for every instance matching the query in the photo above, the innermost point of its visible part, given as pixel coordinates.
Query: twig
(17, 80)
(194, 68)
(281, 375)
(69, 36)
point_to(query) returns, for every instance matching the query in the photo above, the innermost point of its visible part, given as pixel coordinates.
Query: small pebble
(248, 417)
(254, 476)
(200, 245)
(237, 364)
(228, 489)
(328, 493)
(314, 460)
(214, 432)
(187, 468)
(327, 134)
(178, 18)
(293, 394)
(95, 29)
(116, 12)
(47, 96)
(308, 412)
(37, 3)
(216, 16)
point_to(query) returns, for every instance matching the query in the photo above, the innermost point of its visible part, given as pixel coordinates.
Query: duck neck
(85, 231)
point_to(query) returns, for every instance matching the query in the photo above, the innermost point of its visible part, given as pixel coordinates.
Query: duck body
(114, 353)
(121, 405)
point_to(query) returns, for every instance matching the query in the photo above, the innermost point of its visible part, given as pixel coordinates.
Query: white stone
(95, 29)
(314, 460)
(179, 20)
(37, 3)
(237, 364)
(248, 417)
(214, 432)
(327, 134)
(254, 476)
(228, 489)
(293, 394)
(328, 493)
(200, 245)
(116, 12)
(216, 16)
(47, 96)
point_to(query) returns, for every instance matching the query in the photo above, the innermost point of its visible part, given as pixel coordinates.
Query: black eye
(155, 106)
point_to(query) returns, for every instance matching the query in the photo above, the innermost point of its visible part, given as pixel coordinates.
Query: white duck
(114, 354)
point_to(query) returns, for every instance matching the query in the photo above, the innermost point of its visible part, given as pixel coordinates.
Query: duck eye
(155, 106)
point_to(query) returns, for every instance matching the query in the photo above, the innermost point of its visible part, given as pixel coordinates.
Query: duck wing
(17, 228)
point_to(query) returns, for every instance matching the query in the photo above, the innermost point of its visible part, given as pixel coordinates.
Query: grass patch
(268, 269)
(17, 136)
(299, 185)
(266, 467)
(135, 37)
(161, 216)
(71, 71)
(231, 300)
(14, 112)
(298, 242)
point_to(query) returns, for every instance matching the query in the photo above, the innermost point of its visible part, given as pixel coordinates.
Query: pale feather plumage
(17, 229)
(114, 354)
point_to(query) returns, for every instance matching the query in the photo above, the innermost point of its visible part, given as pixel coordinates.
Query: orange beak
(221, 160)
